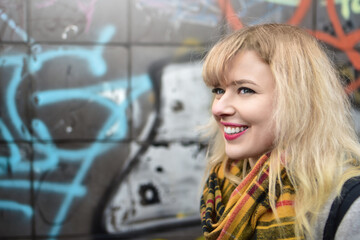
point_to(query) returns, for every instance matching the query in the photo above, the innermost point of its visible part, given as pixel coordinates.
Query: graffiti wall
(101, 103)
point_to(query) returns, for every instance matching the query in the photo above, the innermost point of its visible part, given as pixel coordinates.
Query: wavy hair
(314, 134)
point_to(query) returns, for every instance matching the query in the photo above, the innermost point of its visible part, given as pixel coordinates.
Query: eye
(218, 91)
(245, 90)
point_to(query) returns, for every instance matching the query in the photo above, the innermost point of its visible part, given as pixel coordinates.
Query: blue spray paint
(50, 152)
(9, 205)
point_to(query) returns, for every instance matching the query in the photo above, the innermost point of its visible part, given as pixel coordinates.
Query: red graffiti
(345, 42)
(235, 22)
(300, 12)
(230, 14)
(342, 41)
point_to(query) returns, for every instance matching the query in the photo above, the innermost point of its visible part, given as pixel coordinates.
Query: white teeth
(233, 130)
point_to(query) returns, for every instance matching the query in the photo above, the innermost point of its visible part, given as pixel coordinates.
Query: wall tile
(79, 21)
(80, 93)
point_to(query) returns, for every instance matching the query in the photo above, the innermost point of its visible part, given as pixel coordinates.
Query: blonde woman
(283, 142)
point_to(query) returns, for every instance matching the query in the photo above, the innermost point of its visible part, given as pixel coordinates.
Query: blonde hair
(314, 135)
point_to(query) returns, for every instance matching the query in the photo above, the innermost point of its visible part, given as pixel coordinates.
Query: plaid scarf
(243, 211)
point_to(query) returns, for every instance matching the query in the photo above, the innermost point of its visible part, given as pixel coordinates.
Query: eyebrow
(243, 81)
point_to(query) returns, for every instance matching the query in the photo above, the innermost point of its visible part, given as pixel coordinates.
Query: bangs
(218, 58)
(216, 61)
(214, 71)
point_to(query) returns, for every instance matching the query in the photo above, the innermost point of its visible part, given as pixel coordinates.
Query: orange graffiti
(230, 14)
(353, 86)
(236, 23)
(300, 12)
(344, 42)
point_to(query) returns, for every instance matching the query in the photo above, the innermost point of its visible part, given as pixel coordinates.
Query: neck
(252, 162)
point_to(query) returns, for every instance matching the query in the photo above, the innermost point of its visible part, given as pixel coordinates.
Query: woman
(283, 139)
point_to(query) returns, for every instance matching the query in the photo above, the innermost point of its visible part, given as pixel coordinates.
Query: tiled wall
(100, 101)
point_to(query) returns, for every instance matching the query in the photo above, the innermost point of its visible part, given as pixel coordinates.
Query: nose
(223, 106)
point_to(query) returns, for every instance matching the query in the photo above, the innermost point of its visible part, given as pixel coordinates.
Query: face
(243, 107)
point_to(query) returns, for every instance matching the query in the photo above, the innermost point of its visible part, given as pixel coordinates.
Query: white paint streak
(71, 28)
(180, 178)
(113, 129)
(117, 95)
(185, 102)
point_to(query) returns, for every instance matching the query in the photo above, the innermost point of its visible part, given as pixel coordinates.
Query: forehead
(247, 66)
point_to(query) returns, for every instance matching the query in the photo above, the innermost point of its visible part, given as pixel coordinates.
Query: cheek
(254, 115)
(268, 133)
(262, 114)
(262, 122)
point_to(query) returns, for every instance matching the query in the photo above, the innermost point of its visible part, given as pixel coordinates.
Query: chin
(235, 155)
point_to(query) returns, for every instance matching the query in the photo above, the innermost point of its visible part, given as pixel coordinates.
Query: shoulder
(349, 227)
(322, 217)
(344, 218)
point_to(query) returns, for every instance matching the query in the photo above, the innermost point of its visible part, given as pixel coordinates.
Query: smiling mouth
(234, 130)
(232, 133)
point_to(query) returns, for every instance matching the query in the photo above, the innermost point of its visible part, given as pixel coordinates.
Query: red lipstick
(233, 136)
